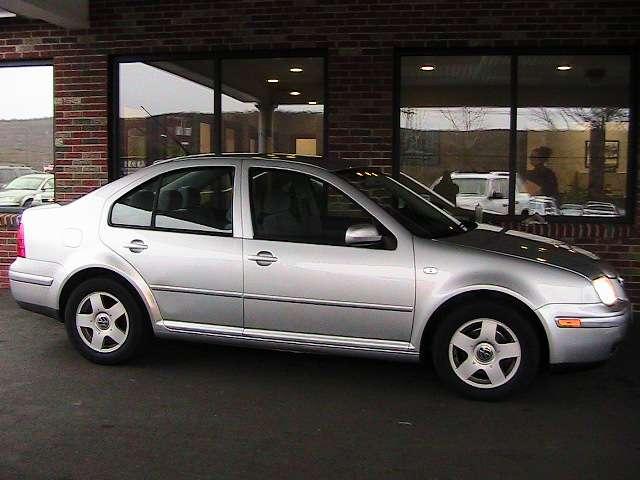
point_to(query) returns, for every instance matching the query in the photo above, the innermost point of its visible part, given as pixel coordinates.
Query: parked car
(600, 209)
(276, 254)
(8, 173)
(490, 191)
(572, 209)
(543, 205)
(28, 190)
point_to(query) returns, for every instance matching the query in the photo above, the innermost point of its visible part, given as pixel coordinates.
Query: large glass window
(166, 110)
(567, 155)
(573, 133)
(26, 135)
(454, 127)
(273, 105)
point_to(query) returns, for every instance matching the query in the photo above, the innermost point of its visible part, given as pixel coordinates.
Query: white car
(28, 190)
(490, 191)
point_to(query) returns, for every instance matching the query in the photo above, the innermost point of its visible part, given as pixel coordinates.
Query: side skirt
(291, 341)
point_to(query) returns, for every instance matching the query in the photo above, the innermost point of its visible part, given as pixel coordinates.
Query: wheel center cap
(485, 352)
(103, 321)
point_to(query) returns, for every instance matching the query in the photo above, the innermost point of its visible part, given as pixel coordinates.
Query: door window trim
(158, 183)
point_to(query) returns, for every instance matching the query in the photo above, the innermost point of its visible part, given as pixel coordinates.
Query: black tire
(139, 330)
(522, 373)
(27, 203)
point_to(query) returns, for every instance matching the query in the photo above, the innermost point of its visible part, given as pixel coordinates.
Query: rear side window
(135, 209)
(190, 200)
(196, 200)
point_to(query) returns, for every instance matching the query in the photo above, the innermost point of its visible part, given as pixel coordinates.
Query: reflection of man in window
(446, 188)
(542, 177)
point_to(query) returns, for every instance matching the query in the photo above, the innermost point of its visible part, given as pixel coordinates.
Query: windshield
(419, 216)
(25, 183)
(471, 186)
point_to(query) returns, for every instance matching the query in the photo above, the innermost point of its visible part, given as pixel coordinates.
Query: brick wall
(360, 37)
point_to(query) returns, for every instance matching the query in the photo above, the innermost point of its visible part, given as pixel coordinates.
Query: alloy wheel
(484, 353)
(102, 322)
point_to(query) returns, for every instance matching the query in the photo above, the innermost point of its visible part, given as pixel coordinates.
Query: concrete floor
(200, 411)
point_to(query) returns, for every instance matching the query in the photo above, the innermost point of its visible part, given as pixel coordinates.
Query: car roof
(479, 175)
(280, 157)
(38, 175)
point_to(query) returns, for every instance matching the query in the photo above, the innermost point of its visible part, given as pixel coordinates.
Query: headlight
(605, 290)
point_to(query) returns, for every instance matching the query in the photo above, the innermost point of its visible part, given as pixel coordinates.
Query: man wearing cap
(542, 176)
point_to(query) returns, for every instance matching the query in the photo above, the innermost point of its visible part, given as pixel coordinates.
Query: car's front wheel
(486, 351)
(104, 322)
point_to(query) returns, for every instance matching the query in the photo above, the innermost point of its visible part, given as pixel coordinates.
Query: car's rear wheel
(104, 322)
(486, 351)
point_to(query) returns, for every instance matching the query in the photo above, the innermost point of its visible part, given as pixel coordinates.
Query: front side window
(295, 207)
(190, 200)
(410, 209)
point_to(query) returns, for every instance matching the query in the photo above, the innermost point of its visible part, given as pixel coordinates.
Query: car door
(302, 283)
(179, 231)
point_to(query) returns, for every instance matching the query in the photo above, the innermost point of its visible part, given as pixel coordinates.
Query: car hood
(533, 247)
(14, 193)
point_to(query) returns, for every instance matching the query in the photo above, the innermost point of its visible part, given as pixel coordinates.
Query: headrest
(190, 197)
(142, 199)
(169, 200)
(279, 200)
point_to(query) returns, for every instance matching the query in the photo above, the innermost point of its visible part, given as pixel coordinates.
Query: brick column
(80, 124)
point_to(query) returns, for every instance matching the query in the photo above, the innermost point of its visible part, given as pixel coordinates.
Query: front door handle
(136, 246)
(263, 258)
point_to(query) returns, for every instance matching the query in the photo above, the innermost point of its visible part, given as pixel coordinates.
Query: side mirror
(496, 196)
(362, 234)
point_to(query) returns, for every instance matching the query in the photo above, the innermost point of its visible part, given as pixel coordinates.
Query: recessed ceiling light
(294, 93)
(427, 68)
(564, 68)
(313, 102)
(272, 80)
(295, 69)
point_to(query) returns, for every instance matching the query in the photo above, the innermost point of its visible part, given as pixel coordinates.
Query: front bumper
(602, 330)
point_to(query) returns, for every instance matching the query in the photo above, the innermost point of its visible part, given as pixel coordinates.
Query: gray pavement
(187, 410)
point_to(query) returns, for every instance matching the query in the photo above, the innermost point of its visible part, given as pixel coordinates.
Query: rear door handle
(136, 246)
(263, 258)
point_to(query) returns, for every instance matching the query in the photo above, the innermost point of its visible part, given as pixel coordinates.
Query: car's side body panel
(325, 289)
(195, 277)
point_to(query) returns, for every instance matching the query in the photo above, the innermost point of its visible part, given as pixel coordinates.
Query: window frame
(514, 53)
(387, 231)
(157, 179)
(113, 80)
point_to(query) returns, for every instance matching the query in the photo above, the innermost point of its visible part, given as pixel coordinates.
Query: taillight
(21, 248)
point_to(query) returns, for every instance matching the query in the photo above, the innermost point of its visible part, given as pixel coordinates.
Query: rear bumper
(33, 286)
(601, 332)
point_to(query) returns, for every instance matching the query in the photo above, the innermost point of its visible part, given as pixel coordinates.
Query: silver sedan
(267, 253)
